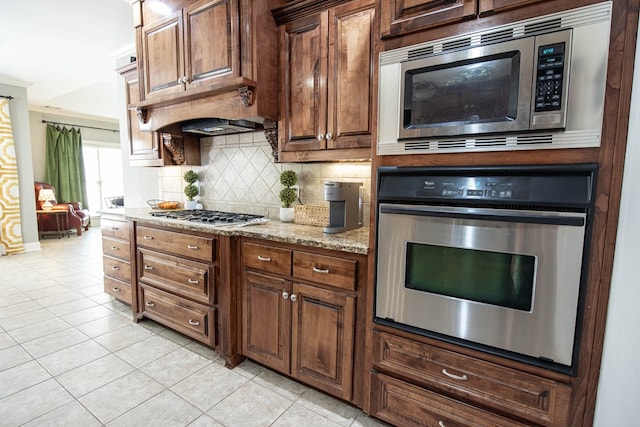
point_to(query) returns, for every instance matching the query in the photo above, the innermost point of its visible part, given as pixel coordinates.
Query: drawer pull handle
(192, 246)
(115, 228)
(147, 237)
(148, 267)
(293, 297)
(115, 267)
(194, 322)
(114, 289)
(150, 304)
(285, 294)
(264, 258)
(320, 270)
(193, 281)
(441, 424)
(114, 248)
(453, 376)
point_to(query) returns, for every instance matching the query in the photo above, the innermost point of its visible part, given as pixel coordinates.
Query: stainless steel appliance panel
(555, 239)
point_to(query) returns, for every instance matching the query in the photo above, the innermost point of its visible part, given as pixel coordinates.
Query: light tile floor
(71, 356)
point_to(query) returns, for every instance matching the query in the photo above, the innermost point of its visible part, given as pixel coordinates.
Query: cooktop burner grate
(212, 217)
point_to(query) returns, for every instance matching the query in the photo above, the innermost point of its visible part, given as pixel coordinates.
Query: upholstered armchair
(78, 218)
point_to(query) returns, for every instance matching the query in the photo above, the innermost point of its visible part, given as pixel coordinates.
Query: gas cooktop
(210, 217)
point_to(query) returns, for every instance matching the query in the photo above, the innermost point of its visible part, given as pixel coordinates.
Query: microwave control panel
(550, 73)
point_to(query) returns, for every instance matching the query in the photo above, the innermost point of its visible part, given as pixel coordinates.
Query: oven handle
(529, 218)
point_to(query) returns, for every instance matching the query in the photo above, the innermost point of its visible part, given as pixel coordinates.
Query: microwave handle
(494, 215)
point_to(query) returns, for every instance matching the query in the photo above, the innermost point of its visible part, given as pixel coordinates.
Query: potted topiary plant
(288, 195)
(191, 190)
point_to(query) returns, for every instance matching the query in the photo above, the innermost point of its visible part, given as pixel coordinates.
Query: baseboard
(32, 246)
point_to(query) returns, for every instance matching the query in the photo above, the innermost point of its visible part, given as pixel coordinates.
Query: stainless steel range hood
(217, 126)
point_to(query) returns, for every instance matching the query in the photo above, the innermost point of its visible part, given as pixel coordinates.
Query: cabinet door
(144, 147)
(266, 335)
(211, 42)
(350, 78)
(163, 57)
(404, 16)
(303, 71)
(322, 329)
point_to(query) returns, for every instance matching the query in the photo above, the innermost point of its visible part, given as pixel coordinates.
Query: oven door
(507, 279)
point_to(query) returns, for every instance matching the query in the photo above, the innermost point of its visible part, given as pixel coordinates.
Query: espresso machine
(345, 206)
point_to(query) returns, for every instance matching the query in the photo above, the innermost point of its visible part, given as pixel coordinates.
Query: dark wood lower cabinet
(467, 383)
(303, 329)
(404, 404)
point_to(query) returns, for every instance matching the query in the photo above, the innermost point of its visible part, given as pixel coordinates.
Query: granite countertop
(354, 241)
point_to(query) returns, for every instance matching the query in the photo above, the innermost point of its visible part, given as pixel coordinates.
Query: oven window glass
(489, 277)
(481, 90)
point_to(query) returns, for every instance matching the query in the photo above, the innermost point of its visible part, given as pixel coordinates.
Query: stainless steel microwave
(538, 83)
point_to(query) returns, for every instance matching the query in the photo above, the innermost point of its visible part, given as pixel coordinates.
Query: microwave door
(484, 89)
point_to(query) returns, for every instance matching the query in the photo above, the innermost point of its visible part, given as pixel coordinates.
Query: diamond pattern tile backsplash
(238, 175)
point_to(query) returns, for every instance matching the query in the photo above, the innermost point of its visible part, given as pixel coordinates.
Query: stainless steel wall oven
(493, 258)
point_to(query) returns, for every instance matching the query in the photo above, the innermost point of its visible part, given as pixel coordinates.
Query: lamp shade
(46, 195)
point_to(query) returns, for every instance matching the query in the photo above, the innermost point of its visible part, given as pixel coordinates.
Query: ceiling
(65, 53)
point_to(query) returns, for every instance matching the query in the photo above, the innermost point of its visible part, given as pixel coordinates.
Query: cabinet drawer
(266, 258)
(116, 248)
(117, 289)
(115, 228)
(538, 399)
(190, 318)
(403, 404)
(337, 272)
(117, 269)
(178, 275)
(201, 248)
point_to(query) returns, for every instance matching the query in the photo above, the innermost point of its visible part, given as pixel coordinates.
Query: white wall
(619, 387)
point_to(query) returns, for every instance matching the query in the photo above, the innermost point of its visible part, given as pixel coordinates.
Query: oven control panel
(493, 188)
(570, 186)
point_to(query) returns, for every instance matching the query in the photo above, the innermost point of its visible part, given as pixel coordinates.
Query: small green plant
(288, 195)
(190, 190)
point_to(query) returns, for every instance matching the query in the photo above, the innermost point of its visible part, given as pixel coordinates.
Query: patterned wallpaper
(238, 175)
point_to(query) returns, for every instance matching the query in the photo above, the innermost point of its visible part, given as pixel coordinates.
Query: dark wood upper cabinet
(399, 17)
(326, 81)
(404, 16)
(190, 48)
(148, 148)
(206, 58)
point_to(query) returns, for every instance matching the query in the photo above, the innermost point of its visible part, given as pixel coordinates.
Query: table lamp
(46, 195)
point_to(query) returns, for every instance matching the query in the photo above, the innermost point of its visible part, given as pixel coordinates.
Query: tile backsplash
(238, 175)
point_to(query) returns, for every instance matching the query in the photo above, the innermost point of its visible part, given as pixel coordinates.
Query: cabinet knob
(194, 322)
(285, 295)
(193, 281)
(149, 304)
(329, 136)
(441, 424)
(320, 270)
(115, 267)
(294, 297)
(192, 246)
(147, 237)
(114, 289)
(264, 258)
(115, 228)
(114, 248)
(148, 267)
(320, 137)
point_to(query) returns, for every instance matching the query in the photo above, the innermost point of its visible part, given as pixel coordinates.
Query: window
(103, 174)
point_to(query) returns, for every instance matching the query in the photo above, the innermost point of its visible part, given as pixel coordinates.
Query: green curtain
(64, 164)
